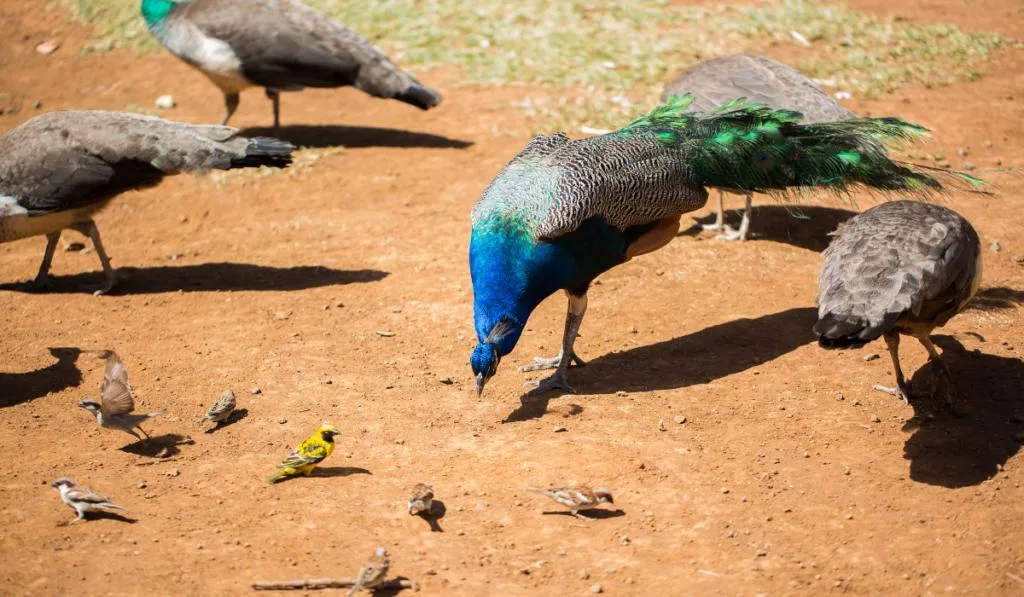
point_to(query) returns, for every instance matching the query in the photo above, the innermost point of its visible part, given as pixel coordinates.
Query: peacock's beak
(481, 381)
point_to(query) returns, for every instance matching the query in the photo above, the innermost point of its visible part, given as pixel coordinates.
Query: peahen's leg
(902, 390)
(567, 356)
(42, 279)
(943, 378)
(89, 229)
(719, 224)
(230, 105)
(275, 98)
(740, 234)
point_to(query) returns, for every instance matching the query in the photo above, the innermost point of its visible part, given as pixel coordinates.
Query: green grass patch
(607, 60)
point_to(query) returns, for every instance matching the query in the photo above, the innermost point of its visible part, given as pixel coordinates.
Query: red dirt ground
(789, 477)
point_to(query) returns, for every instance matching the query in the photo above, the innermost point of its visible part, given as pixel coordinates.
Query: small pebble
(995, 246)
(447, 381)
(560, 429)
(282, 315)
(725, 490)
(165, 102)
(875, 419)
(400, 442)
(584, 575)
(970, 166)
(595, 588)
(48, 47)
(661, 424)
(282, 421)
(622, 393)
(679, 419)
(871, 357)
(255, 390)
(385, 333)
(173, 472)
(761, 553)
(963, 152)
(142, 485)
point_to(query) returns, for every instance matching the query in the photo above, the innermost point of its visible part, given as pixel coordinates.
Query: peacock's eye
(493, 367)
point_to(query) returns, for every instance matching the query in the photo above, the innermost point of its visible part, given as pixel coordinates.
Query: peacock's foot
(730, 233)
(542, 363)
(104, 288)
(556, 382)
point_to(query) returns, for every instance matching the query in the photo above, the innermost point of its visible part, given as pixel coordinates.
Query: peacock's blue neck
(155, 11)
(512, 274)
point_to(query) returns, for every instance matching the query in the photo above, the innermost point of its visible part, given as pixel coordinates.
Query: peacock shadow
(701, 357)
(952, 451)
(210, 277)
(804, 226)
(16, 388)
(334, 135)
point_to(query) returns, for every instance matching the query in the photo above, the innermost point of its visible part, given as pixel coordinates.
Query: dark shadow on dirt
(159, 446)
(334, 135)
(233, 418)
(804, 226)
(16, 388)
(212, 277)
(963, 451)
(1000, 297)
(697, 358)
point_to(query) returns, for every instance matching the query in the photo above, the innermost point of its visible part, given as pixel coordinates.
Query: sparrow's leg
(719, 224)
(740, 234)
(275, 98)
(88, 228)
(42, 280)
(567, 356)
(902, 390)
(139, 427)
(230, 105)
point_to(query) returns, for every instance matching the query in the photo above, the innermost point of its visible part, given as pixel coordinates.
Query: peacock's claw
(542, 363)
(557, 381)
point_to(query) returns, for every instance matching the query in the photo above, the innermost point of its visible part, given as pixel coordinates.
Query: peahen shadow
(953, 451)
(212, 277)
(696, 358)
(999, 297)
(159, 446)
(233, 418)
(16, 388)
(333, 135)
(804, 226)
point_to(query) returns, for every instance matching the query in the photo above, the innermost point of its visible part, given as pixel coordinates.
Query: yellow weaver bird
(310, 453)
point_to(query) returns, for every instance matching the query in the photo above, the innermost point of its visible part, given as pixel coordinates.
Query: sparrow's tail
(110, 506)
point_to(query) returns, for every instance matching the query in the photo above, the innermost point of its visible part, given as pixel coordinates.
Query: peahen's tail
(751, 147)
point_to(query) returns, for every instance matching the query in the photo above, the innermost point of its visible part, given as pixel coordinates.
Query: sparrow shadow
(596, 514)
(804, 226)
(16, 388)
(211, 277)
(333, 135)
(105, 514)
(436, 513)
(961, 451)
(235, 417)
(993, 299)
(159, 446)
(393, 586)
(703, 356)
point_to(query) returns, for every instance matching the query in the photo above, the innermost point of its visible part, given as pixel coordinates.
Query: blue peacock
(564, 211)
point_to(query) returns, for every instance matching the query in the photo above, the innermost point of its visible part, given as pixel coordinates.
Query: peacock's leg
(42, 280)
(88, 228)
(567, 356)
(719, 217)
(902, 390)
(740, 234)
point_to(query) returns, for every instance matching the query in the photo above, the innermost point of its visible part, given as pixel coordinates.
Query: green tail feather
(752, 147)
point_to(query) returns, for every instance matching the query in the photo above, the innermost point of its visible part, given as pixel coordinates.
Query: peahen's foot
(104, 288)
(901, 393)
(716, 227)
(558, 381)
(542, 363)
(40, 283)
(730, 233)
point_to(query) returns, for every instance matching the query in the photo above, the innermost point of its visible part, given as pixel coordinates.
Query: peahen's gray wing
(558, 184)
(762, 80)
(284, 44)
(63, 160)
(900, 260)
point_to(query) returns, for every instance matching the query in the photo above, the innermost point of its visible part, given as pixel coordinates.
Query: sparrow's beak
(480, 382)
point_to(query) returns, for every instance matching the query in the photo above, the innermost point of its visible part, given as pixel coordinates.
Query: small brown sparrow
(373, 572)
(577, 498)
(82, 499)
(113, 409)
(221, 409)
(422, 499)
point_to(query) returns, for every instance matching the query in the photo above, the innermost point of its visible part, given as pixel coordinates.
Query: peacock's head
(487, 354)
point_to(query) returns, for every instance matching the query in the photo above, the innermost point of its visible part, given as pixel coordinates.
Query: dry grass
(606, 60)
